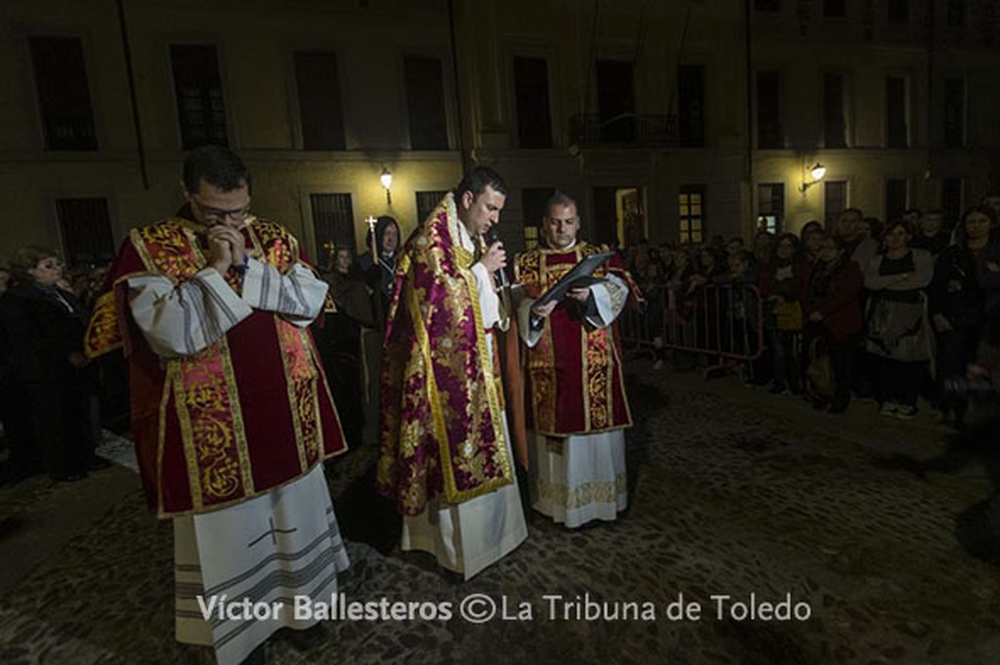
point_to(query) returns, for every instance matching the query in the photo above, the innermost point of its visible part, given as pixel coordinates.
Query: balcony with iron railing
(625, 130)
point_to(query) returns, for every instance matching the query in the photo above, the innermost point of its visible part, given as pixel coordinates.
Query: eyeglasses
(218, 214)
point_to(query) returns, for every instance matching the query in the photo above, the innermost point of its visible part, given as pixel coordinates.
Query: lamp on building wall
(386, 179)
(817, 173)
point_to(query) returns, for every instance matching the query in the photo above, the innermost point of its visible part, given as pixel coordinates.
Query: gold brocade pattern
(273, 244)
(471, 460)
(209, 436)
(103, 334)
(582, 495)
(302, 391)
(598, 378)
(441, 420)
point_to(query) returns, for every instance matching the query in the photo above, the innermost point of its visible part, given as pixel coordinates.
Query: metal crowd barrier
(723, 322)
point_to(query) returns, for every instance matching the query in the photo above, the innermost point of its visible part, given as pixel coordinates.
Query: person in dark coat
(957, 303)
(833, 311)
(339, 341)
(45, 326)
(380, 271)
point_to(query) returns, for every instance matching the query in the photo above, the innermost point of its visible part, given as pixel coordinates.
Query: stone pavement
(732, 492)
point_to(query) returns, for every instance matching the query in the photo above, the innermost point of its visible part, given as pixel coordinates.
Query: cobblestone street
(732, 492)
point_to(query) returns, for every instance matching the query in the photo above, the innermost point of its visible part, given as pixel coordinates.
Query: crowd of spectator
(886, 312)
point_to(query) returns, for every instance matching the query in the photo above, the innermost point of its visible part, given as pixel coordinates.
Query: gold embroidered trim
(582, 495)
(161, 441)
(176, 379)
(290, 384)
(236, 410)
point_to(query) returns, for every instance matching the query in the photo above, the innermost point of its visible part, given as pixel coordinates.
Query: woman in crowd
(811, 236)
(644, 271)
(834, 322)
(782, 287)
(763, 246)
(666, 251)
(339, 341)
(898, 332)
(680, 304)
(957, 303)
(45, 327)
(872, 227)
(709, 271)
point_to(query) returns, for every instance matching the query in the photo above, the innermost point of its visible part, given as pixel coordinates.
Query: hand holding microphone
(495, 258)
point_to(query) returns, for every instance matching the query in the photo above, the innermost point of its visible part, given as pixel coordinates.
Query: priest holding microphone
(446, 458)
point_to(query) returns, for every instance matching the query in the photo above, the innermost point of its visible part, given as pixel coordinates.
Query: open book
(581, 276)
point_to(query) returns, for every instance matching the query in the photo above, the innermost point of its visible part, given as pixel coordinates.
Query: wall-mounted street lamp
(386, 179)
(817, 173)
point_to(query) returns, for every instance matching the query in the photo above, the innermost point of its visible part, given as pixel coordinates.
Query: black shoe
(778, 389)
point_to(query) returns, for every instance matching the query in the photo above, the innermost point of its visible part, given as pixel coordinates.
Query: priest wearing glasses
(231, 414)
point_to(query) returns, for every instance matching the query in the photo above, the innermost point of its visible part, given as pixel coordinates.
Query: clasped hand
(226, 248)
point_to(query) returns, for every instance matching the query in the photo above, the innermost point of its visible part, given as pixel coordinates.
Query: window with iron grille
(425, 103)
(85, 227)
(691, 214)
(533, 200)
(834, 120)
(896, 131)
(834, 203)
(426, 202)
(954, 112)
(531, 92)
(201, 108)
(333, 223)
(691, 105)
(63, 93)
(896, 195)
(771, 206)
(770, 133)
(320, 107)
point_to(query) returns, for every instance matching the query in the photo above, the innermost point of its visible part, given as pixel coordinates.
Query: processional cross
(371, 221)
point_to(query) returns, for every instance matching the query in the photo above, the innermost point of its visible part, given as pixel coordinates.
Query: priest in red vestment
(575, 389)
(231, 414)
(446, 457)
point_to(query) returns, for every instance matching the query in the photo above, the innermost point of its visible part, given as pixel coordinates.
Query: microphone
(492, 237)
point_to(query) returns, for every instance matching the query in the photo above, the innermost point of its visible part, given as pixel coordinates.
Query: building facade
(672, 121)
